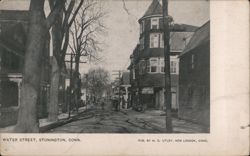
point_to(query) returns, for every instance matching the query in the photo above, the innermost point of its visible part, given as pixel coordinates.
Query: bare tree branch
(58, 5)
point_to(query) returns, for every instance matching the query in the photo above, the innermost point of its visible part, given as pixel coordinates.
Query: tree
(97, 81)
(37, 36)
(60, 37)
(84, 33)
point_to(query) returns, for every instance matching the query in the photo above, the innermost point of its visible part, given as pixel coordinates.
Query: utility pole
(70, 84)
(119, 89)
(167, 93)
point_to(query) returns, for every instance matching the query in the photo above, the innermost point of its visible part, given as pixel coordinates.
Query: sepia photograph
(93, 66)
(124, 77)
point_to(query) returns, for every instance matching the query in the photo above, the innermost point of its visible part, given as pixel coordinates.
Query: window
(162, 65)
(157, 65)
(154, 23)
(142, 43)
(161, 40)
(148, 66)
(142, 67)
(192, 61)
(154, 40)
(142, 27)
(173, 66)
(133, 73)
(153, 65)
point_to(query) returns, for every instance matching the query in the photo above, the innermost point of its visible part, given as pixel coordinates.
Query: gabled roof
(179, 40)
(183, 28)
(201, 36)
(155, 8)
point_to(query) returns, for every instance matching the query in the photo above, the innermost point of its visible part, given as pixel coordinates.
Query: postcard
(124, 77)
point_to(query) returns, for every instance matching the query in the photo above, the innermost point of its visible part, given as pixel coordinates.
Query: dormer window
(154, 23)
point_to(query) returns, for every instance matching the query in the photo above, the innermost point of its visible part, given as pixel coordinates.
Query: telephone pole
(167, 93)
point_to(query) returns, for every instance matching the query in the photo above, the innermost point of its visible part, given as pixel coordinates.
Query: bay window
(157, 65)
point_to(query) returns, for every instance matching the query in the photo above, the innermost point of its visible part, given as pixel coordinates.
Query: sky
(123, 27)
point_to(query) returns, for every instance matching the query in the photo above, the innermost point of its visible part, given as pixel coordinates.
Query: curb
(59, 123)
(46, 128)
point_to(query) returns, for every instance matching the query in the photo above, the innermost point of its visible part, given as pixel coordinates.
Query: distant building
(125, 89)
(13, 37)
(194, 80)
(147, 60)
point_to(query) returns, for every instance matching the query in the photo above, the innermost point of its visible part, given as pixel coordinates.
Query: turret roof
(155, 8)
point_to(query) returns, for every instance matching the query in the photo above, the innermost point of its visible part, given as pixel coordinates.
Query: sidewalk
(45, 125)
(157, 119)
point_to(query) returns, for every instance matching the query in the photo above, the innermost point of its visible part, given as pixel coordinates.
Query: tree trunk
(56, 66)
(27, 117)
(54, 91)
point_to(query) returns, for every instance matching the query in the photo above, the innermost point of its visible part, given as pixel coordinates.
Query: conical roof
(155, 8)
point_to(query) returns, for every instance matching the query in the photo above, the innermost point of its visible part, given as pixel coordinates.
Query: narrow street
(125, 121)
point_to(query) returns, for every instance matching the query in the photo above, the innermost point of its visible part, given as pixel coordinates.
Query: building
(125, 90)
(194, 80)
(147, 60)
(13, 36)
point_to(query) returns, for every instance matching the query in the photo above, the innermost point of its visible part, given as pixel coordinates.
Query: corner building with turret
(147, 60)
